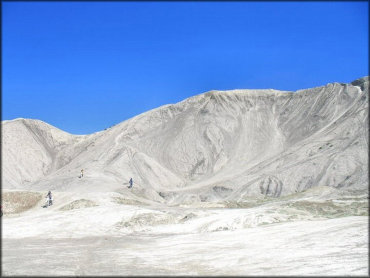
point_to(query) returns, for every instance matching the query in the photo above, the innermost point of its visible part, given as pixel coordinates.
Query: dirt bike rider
(131, 183)
(50, 198)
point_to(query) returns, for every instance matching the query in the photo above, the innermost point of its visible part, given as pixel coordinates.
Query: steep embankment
(219, 145)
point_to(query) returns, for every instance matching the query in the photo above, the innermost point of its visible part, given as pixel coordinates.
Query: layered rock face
(220, 145)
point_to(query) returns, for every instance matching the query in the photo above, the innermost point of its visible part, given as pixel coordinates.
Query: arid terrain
(239, 182)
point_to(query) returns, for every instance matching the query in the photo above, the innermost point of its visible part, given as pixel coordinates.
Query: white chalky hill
(240, 182)
(220, 145)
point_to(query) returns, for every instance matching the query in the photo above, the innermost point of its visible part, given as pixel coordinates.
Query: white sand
(116, 239)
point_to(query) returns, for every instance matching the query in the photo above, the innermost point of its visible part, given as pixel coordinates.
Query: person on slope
(82, 173)
(50, 198)
(130, 183)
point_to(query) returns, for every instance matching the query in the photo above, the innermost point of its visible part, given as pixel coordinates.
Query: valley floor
(85, 237)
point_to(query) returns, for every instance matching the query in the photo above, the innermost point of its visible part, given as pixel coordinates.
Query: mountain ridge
(216, 145)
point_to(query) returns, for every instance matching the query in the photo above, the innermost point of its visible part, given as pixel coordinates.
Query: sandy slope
(241, 142)
(242, 182)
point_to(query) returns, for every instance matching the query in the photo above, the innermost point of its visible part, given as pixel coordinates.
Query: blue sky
(85, 66)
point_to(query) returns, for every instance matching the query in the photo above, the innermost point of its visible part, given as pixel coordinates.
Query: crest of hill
(30, 148)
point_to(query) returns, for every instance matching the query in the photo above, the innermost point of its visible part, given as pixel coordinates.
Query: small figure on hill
(82, 173)
(130, 183)
(50, 198)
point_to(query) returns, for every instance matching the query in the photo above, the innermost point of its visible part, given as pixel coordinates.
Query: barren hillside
(262, 182)
(220, 145)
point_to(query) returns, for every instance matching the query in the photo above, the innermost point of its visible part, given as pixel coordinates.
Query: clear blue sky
(85, 66)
